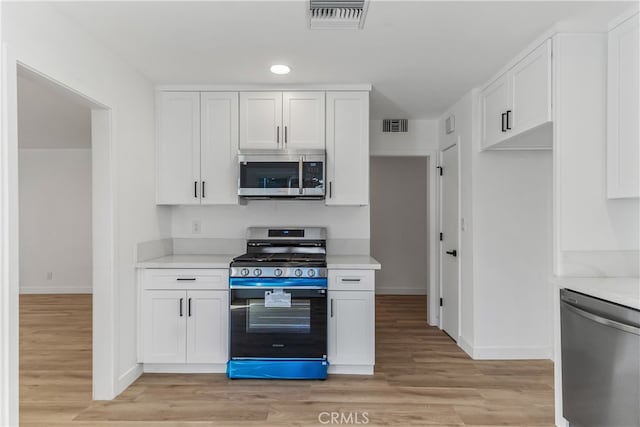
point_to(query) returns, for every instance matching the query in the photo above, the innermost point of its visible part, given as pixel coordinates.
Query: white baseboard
(186, 368)
(466, 346)
(128, 378)
(351, 369)
(397, 290)
(509, 353)
(54, 290)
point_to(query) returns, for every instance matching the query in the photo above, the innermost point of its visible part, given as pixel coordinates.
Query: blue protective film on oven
(276, 282)
(278, 369)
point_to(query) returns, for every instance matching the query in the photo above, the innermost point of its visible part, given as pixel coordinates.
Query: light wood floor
(422, 378)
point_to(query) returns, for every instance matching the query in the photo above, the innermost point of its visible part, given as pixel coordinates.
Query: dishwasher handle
(602, 320)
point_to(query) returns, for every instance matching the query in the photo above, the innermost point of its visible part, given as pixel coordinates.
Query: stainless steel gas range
(278, 298)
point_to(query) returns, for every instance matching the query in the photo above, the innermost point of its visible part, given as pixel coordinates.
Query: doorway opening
(55, 242)
(400, 224)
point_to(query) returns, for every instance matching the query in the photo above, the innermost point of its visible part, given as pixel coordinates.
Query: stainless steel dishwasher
(600, 362)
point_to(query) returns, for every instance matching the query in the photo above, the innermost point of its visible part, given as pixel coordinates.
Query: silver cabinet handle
(331, 307)
(602, 320)
(300, 167)
(277, 134)
(346, 279)
(285, 134)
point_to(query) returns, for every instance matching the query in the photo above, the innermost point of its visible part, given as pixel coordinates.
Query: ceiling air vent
(337, 14)
(395, 125)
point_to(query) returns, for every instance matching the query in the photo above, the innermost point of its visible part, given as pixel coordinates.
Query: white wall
(48, 42)
(399, 224)
(505, 203)
(55, 220)
(342, 222)
(420, 140)
(595, 236)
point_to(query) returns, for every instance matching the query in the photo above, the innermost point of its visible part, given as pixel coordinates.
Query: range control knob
(298, 272)
(244, 271)
(277, 272)
(257, 272)
(311, 272)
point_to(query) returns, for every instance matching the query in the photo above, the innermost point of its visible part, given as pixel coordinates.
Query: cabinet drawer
(351, 280)
(190, 278)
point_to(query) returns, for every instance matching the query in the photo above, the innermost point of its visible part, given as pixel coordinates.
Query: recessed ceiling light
(280, 69)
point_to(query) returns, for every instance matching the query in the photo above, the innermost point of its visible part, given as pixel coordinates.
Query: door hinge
(441, 237)
(440, 169)
(441, 302)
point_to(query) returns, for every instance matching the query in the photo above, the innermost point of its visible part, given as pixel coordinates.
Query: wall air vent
(337, 14)
(395, 125)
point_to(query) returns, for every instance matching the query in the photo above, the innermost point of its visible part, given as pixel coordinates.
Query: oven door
(278, 318)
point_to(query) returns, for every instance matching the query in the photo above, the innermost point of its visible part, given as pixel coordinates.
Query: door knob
(453, 252)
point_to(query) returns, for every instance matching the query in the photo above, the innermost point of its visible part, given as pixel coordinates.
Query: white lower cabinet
(351, 325)
(183, 328)
(164, 326)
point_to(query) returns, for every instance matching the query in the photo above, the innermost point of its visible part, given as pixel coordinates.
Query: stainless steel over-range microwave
(282, 174)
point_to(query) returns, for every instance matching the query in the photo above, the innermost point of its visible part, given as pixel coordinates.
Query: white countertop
(355, 262)
(188, 261)
(621, 290)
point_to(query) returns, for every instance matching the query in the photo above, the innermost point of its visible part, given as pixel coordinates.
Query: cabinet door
(207, 326)
(164, 326)
(494, 102)
(178, 148)
(351, 328)
(623, 138)
(261, 120)
(219, 147)
(347, 148)
(531, 90)
(303, 119)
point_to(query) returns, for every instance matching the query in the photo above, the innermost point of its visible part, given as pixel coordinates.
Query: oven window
(312, 175)
(268, 320)
(269, 175)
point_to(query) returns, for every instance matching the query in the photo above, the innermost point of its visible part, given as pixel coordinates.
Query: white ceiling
(49, 116)
(420, 56)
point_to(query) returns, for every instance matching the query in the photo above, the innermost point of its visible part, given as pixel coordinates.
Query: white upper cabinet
(218, 148)
(517, 102)
(623, 138)
(347, 148)
(197, 144)
(282, 120)
(495, 104)
(303, 120)
(261, 120)
(531, 90)
(178, 148)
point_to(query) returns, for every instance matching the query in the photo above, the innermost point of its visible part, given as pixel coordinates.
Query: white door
(347, 168)
(449, 244)
(178, 149)
(351, 328)
(164, 323)
(219, 148)
(303, 119)
(494, 102)
(261, 120)
(531, 90)
(207, 326)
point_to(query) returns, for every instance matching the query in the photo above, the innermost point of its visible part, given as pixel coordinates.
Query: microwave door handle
(300, 166)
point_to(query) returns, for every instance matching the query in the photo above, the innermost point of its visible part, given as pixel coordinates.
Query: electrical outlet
(195, 226)
(49, 275)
